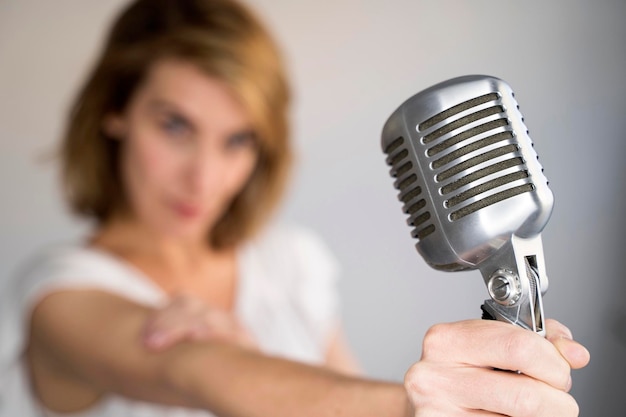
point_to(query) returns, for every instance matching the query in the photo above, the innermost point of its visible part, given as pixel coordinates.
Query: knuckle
(434, 339)
(564, 376)
(527, 403)
(518, 348)
(557, 329)
(522, 350)
(572, 407)
(575, 409)
(530, 402)
(428, 389)
(418, 380)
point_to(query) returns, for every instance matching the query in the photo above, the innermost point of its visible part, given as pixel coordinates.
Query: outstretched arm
(92, 339)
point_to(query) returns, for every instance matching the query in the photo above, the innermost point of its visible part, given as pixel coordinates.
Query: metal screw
(501, 288)
(504, 287)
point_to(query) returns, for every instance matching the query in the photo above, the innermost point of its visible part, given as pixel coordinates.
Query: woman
(180, 303)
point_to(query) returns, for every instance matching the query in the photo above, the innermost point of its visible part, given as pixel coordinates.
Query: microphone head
(466, 171)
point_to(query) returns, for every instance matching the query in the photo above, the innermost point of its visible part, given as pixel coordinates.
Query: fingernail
(569, 384)
(562, 336)
(155, 339)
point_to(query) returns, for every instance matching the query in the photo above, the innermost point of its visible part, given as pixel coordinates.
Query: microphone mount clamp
(516, 281)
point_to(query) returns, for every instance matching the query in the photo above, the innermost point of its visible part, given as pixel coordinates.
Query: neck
(132, 239)
(177, 266)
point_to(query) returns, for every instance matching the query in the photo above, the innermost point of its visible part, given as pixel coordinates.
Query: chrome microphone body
(476, 196)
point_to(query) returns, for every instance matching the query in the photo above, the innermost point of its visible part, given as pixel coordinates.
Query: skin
(188, 148)
(456, 375)
(186, 318)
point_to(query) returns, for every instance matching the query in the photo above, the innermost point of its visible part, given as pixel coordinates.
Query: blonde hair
(222, 38)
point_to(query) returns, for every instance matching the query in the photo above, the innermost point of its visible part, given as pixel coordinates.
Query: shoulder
(21, 291)
(48, 262)
(76, 266)
(64, 267)
(65, 262)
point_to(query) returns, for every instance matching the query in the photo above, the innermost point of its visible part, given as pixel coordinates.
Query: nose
(205, 172)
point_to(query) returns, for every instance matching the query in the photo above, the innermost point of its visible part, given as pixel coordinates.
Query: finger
(574, 353)
(160, 339)
(166, 327)
(494, 344)
(447, 410)
(556, 329)
(432, 394)
(201, 331)
(561, 337)
(484, 390)
(221, 323)
(165, 316)
(459, 413)
(515, 394)
(224, 326)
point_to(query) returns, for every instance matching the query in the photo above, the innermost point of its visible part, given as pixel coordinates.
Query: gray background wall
(353, 62)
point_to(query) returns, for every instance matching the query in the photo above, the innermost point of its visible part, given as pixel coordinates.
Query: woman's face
(188, 148)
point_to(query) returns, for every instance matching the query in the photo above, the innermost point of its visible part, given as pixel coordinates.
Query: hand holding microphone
(456, 377)
(476, 198)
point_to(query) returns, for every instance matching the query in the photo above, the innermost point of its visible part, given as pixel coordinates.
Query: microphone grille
(466, 170)
(409, 188)
(479, 144)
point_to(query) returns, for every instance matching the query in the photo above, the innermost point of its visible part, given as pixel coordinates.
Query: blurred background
(352, 63)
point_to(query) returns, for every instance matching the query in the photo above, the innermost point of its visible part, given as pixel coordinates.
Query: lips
(186, 210)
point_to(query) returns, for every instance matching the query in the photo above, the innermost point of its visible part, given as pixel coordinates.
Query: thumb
(561, 337)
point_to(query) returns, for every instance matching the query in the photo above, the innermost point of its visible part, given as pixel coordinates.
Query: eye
(175, 126)
(245, 139)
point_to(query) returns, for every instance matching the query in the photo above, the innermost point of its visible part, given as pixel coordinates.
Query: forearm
(101, 348)
(234, 382)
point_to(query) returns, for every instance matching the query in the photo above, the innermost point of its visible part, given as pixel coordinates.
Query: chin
(192, 230)
(184, 227)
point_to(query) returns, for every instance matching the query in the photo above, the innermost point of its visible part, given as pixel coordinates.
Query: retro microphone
(474, 191)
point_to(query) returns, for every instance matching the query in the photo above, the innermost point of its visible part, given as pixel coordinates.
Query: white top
(286, 297)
